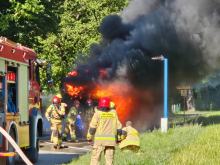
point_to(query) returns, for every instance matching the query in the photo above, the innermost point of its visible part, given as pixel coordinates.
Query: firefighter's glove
(72, 124)
(49, 119)
(123, 137)
(119, 139)
(89, 137)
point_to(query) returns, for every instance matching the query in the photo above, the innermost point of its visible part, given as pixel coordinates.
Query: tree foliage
(61, 31)
(78, 29)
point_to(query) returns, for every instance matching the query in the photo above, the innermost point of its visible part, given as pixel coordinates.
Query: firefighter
(79, 125)
(89, 113)
(70, 122)
(130, 138)
(103, 129)
(90, 110)
(62, 103)
(54, 114)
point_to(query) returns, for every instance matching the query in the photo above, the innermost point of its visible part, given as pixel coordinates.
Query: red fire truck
(20, 103)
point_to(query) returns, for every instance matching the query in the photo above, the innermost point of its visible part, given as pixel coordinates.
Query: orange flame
(121, 94)
(73, 73)
(73, 90)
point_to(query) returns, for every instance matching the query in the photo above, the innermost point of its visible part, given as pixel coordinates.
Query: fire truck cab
(20, 103)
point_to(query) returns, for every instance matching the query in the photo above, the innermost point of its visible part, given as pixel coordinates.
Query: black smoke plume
(186, 32)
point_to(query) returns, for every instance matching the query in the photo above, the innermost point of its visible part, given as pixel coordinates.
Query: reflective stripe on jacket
(132, 137)
(105, 125)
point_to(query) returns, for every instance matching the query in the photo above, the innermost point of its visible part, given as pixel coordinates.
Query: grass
(190, 144)
(195, 117)
(203, 150)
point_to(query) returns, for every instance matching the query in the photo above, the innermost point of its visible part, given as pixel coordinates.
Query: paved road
(49, 156)
(54, 158)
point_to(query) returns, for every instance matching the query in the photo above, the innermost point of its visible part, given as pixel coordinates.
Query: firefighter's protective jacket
(104, 126)
(71, 116)
(131, 139)
(64, 105)
(55, 114)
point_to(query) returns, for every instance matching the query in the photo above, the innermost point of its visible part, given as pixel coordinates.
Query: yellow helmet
(112, 105)
(59, 95)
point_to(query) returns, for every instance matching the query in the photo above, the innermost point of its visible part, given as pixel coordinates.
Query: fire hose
(15, 146)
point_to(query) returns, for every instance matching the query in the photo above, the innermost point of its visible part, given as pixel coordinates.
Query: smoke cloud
(185, 32)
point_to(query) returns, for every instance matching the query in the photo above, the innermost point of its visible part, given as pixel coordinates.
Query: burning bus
(83, 85)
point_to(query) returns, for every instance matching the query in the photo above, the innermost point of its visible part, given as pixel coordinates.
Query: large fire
(121, 94)
(132, 104)
(73, 90)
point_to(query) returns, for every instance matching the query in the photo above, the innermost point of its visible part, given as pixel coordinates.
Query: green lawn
(188, 144)
(195, 117)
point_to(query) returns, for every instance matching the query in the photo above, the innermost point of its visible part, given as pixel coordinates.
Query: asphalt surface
(49, 156)
(54, 158)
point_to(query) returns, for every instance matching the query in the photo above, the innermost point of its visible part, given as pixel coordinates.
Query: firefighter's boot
(73, 137)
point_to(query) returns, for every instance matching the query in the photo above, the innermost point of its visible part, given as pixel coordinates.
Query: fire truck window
(12, 91)
(2, 94)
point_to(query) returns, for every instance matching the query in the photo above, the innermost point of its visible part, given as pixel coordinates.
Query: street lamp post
(164, 119)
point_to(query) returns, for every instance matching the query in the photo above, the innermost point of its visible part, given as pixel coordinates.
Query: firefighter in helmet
(89, 113)
(54, 114)
(70, 121)
(60, 97)
(90, 110)
(130, 138)
(104, 128)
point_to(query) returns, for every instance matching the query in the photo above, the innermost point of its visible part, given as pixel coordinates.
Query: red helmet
(104, 102)
(89, 101)
(56, 100)
(76, 102)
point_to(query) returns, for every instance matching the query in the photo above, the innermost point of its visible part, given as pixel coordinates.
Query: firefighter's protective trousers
(69, 128)
(96, 155)
(104, 127)
(56, 132)
(70, 124)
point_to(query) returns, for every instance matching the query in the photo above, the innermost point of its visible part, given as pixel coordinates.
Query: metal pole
(164, 120)
(165, 108)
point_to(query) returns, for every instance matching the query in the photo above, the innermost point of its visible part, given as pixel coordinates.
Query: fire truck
(20, 102)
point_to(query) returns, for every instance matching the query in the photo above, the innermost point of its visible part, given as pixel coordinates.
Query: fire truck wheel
(33, 152)
(11, 160)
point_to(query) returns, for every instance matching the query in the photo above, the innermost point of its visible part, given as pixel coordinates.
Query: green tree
(26, 21)
(77, 30)
(60, 30)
